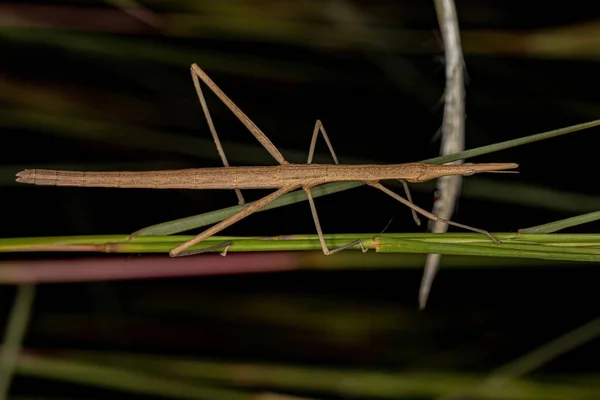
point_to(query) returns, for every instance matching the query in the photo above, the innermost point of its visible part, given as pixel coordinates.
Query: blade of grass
(533, 360)
(141, 137)
(560, 247)
(148, 49)
(512, 143)
(13, 336)
(137, 136)
(122, 379)
(526, 195)
(544, 354)
(556, 226)
(196, 221)
(353, 383)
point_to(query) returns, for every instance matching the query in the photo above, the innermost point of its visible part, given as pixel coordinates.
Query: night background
(105, 85)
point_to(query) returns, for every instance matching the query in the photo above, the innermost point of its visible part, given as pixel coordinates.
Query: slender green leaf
(353, 382)
(559, 247)
(126, 380)
(512, 143)
(556, 226)
(196, 221)
(184, 224)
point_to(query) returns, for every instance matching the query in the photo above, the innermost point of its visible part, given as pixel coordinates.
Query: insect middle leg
(311, 152)
(307, 189)
(320, 128)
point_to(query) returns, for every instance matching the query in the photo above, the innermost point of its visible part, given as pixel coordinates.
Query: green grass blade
(196, 221)
(521, 250)
(121, 379)
(563, 223)
(14, 334)
(544, 354)
(557, 247)
(525, 195)
(366, 383)
(512, 143)
(148, 50)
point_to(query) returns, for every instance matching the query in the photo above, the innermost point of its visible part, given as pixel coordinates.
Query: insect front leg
(251, 208)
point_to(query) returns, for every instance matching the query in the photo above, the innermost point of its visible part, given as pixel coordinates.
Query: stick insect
(284, 177)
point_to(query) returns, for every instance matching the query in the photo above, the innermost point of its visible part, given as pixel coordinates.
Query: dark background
(90, 86)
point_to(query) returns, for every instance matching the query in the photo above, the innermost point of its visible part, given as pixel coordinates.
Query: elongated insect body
(252, 177)
(284, 177)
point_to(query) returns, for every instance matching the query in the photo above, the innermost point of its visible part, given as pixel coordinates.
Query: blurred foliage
(105, 85)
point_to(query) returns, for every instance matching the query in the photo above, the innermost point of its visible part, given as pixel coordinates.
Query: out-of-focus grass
(198, 379)
(298, 24)
(16, 327)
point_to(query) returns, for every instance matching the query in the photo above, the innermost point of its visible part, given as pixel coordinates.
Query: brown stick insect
(285, 177)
